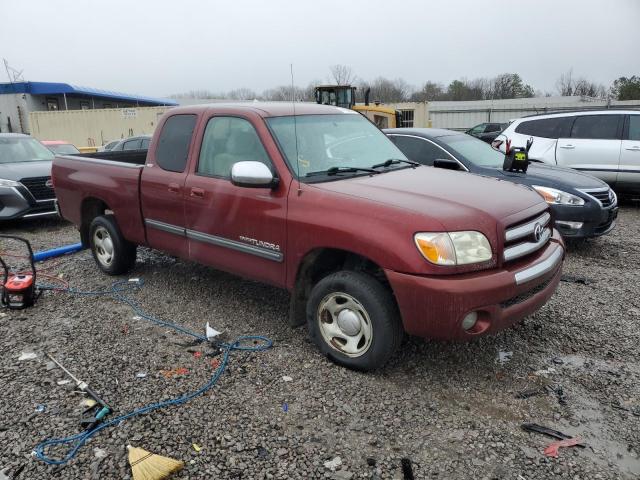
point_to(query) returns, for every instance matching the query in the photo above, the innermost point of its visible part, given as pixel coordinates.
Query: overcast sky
(170, 46)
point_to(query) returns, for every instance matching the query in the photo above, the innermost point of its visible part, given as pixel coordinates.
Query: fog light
(570, 225)
(469, 321)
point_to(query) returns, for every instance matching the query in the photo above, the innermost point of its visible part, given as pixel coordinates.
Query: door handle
(174, 188)
(197, 192)
(635, 148)
(568, 147)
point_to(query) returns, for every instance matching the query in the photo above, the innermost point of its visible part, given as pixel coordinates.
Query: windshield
(473, 150)
(64, 149)
(22, 149)
(326, 141)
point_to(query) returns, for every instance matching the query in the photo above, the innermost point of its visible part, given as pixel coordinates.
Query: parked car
(583, 206)
(108, 146)
(60, 147)
(322, 203)
(603, 143)
(25, 177)
(140, 142)
(487, 131)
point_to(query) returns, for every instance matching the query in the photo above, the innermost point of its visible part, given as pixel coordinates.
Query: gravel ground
(452, 409)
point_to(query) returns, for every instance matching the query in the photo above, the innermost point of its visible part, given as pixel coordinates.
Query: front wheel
(112, 252)
(353, 319)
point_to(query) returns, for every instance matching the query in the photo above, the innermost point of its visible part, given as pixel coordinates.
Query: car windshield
(473, 150)
(23, 149)
(343, 141)
(64, 149)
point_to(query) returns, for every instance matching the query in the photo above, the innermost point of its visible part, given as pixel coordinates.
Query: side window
(596, 127)
(558, 127)
(131, 145)
(173, 143)
(634, 127)
(478, 129)
(492, 127)
(228, 140)
(145, 143)
(420, 150)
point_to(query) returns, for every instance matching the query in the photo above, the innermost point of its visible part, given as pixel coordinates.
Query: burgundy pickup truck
(320, 202)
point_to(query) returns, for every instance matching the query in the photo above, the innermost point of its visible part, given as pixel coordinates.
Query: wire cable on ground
(250, 343)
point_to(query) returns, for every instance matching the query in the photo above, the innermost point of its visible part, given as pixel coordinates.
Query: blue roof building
(18, 99)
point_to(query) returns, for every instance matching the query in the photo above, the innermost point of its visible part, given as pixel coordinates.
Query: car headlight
(8, 183)
(558, 197)
(453, 248)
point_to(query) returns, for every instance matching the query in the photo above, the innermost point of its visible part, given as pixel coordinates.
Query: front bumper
(434, 307)
(17, 202)
(595, 219)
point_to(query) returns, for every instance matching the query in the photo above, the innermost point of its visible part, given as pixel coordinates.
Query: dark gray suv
(25, 178)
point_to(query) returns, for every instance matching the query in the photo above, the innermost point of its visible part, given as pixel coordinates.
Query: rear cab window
(558, 127)
(172, 151)
(634, 127)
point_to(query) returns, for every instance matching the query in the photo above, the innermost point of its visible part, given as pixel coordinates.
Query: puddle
(602, 447)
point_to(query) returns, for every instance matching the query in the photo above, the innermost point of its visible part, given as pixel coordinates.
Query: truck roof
(264, 109)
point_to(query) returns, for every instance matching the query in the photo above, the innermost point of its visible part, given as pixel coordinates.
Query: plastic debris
(552, 448)
(545, 372)
(285, 407)
(504, 357)
(573, 279)
(27, 356)
(532, 392)
(99, 453)
(63, 382)
(287, 379)
(41, 408)
(88, 403)
(174, 372)
(197, 354)
(262, 452)
(549, 432)
(141, 375)
(196, 447)
(215, 363)
(333, 464)
(211, 332)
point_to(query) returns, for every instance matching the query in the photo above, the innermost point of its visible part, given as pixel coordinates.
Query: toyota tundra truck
(315, 199)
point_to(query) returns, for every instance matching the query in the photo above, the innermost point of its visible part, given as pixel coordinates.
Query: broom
(149, 466)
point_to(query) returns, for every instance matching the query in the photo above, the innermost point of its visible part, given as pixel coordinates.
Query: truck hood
(19, 170)
(552, 176)
(456, 200)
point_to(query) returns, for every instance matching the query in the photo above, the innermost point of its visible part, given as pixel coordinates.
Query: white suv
(603, 143)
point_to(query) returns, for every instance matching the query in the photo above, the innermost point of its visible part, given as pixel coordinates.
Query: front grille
(605, 197)
(38, 188)
(526, 237)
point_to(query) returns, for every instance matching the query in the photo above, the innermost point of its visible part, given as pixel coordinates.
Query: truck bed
(107, 180)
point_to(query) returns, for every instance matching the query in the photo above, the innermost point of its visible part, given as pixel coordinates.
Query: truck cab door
(162, 189)
(594, 146)
(237, 229)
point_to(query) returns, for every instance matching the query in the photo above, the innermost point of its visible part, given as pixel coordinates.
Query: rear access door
(162, 187)
(237, 229)
(629, 174)
(594, 146)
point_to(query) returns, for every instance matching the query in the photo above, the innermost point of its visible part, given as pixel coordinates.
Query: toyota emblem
(49, 183)
(537, 232)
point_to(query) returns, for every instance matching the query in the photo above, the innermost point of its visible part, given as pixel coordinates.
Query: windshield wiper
(337, 170)
(393, 161)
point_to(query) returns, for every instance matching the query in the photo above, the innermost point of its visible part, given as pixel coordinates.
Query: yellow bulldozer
(345, 96)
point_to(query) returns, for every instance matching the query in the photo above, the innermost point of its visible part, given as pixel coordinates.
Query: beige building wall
(420, 112)
(86, 128)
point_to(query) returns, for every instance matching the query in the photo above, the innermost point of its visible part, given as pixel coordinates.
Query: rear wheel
(353, 319)
(112, 252)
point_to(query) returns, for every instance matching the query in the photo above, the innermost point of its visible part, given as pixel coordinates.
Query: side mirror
(252, 175)
(446, 163)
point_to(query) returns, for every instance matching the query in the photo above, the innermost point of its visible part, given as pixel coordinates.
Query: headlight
(453, 248)
(558, 197)
(8, 183)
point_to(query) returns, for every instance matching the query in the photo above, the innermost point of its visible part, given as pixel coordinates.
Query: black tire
(377, 307)
(104, 229)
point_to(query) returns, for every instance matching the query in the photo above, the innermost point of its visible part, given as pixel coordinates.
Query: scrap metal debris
(174, 372)
(574, 279)
(549, 432)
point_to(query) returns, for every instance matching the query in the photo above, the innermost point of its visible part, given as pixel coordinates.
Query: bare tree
(429, 92)
(342, 75)
(242, 94)
(284, 93)
(568, 85)
(565, 84)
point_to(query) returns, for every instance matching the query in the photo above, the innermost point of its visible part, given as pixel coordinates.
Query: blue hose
(117, 290)
(56, 252)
